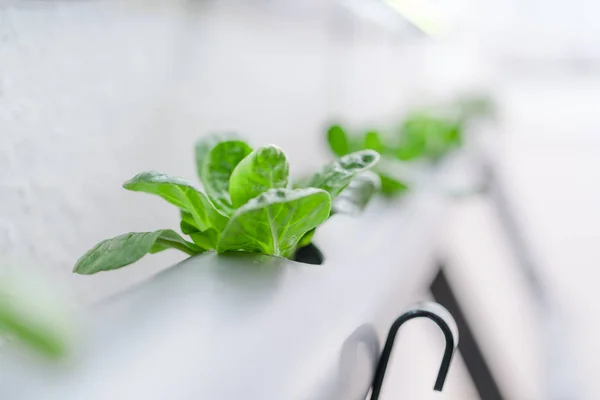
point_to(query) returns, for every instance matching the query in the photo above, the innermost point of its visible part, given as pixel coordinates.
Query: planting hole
(309, 255)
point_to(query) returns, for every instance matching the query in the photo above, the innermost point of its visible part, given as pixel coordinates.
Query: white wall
(93, 92)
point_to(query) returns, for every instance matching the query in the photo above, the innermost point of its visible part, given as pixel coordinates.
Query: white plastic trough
(254, 327)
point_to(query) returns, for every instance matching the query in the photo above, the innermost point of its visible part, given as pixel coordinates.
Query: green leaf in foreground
(334, 177)
(35, 316)
(338, 140)
(126, 249)
(187, 224)
(215, 174)
(207, 143)
(29, 334)
(274, 222)
(265, 168)
(207, 239)
(428, 136)
(169, 239)
(307, 238)
(182, 194)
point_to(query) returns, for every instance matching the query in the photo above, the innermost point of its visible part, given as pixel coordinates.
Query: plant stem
(178, 245)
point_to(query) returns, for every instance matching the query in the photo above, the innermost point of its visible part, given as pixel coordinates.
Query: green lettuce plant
(427, 134)
(421, 136)
(248, 204)
(341, 143)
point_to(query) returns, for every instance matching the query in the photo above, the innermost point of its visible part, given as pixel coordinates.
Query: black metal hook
(444, 321)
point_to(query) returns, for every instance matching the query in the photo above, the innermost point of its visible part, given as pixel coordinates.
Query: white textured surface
(75, 120)
(94, 92)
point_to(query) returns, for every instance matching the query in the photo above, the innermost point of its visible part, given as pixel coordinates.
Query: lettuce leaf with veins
(265, 168)
(125, 249)
(215, 171)
(182, 194)
(275, 221)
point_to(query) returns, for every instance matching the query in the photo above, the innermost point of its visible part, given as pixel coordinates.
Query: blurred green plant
(341, 144)
(428, 135)
(475, 106)
(32, 316)
(248, 204)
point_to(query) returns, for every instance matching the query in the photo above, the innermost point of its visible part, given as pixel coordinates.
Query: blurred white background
(93, 92)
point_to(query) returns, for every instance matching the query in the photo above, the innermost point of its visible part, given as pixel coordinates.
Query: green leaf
(126, 249)
(30, 334)
(182, 194)
(169, 239)
(357, 195)
(453, 134)
(307, 238)
(187, 224)
(207, 143)
(334, 177)
(338, 140)
(391, 186)
(207, 239)
(413, 137)
(373, 141)
(215, 174)
(274, 222)
(265, 168)
(437, 142)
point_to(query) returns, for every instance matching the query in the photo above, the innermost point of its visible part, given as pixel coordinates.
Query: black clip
(444, 321)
